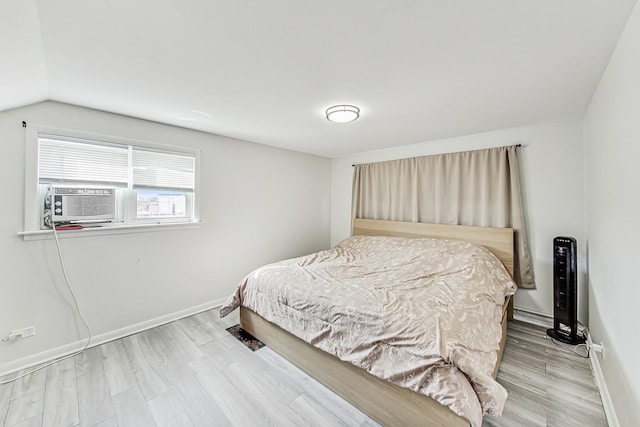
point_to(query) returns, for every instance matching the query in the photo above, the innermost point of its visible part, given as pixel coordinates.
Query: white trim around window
(181, 175)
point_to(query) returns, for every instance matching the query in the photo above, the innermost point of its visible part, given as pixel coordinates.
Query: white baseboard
(607, 403)
(547, 321)
(538, 319)
(55, 353)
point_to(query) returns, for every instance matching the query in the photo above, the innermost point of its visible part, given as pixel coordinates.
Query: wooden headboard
(498, 240)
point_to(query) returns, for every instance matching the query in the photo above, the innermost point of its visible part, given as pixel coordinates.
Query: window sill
(107, 230)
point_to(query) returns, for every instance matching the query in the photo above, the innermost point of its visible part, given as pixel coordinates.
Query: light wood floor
(193, 373)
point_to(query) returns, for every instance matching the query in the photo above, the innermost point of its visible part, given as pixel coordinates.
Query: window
(153, 184)
(161, 204)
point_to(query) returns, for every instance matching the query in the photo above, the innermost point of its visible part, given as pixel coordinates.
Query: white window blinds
(80, 161)
(72, 161)
(164, 170)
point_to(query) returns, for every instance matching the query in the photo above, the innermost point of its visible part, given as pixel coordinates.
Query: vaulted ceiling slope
(265, 71)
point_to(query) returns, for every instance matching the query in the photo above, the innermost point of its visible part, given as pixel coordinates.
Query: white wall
(551, 161)
(258, 204)
(612, 144)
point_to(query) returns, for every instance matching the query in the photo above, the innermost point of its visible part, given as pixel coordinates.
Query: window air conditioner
(81, 204)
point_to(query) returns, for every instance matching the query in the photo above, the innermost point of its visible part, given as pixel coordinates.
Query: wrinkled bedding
(422, 313)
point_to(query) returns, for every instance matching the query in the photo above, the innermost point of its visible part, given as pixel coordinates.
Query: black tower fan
(565, 292)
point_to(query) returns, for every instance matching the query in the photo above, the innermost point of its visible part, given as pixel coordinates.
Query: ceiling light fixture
(342, 113)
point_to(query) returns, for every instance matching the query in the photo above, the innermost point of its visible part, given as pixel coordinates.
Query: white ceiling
(265, 71)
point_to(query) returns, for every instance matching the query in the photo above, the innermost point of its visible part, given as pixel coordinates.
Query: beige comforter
(422, 313)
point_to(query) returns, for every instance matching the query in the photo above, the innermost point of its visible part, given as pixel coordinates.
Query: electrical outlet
(598, 348)
(23, 333)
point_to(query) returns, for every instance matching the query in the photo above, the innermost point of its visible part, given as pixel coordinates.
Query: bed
(382, 400)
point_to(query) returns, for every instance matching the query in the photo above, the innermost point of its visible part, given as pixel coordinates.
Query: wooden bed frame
(385, 402)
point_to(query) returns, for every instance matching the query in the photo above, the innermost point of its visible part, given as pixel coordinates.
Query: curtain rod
(516, 145)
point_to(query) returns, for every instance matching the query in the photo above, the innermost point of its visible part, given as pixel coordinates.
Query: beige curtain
(470, 188)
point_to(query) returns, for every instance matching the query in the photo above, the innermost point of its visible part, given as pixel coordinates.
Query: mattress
(424, 313)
